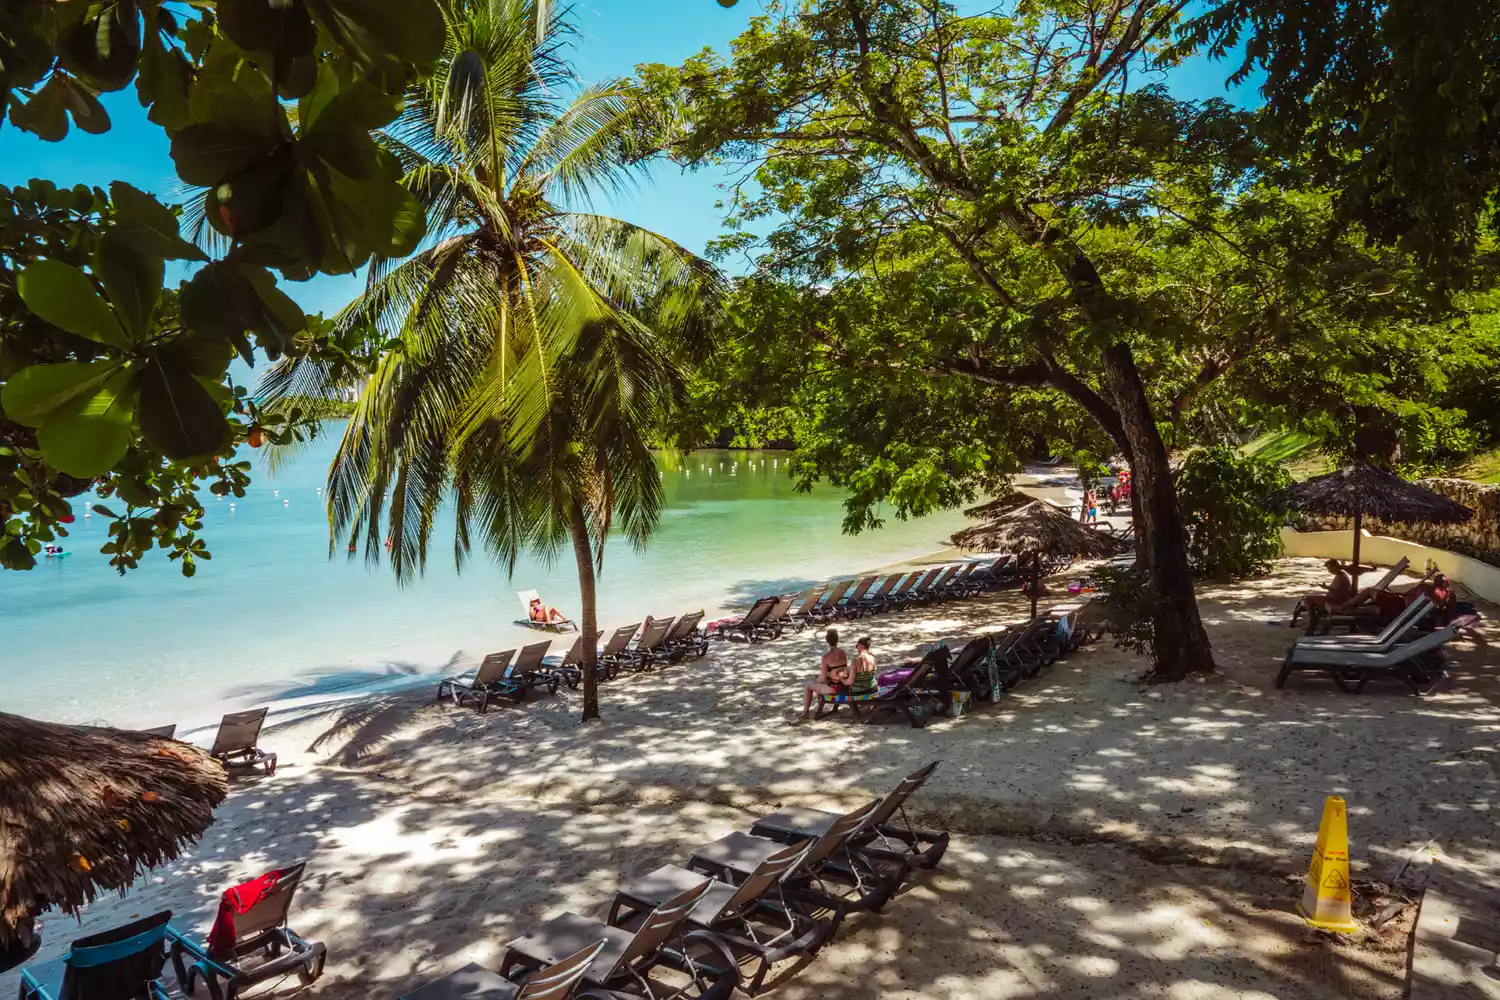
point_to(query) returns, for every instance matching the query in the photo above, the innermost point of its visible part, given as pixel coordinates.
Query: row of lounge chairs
(770, 617)
(1404, 651)
(983, 667)
(512, 674)
(737, 907)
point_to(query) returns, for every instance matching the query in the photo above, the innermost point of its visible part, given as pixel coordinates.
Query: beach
(1110, 838)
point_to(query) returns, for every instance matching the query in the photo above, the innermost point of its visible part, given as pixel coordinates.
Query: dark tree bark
(578, 527)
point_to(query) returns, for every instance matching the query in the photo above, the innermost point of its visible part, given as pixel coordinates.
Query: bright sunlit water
(272, 617)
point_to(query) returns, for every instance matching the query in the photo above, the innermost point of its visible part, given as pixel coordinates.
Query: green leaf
(177, 415)
(162, 84)
(64, 297)
(207, 155)
(45, 114)
(148, 225)
(202, 354)
(32, 393)
(412, 30)
(88, 113)
(86, 437)
(132, 279)
(282, 27)
(104, 511)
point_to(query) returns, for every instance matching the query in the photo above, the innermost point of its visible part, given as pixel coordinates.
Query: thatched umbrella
(1361, 489)
(1038, 529)
(1003, 504)
(85, 810)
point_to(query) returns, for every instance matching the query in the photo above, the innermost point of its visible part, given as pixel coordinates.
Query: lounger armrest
(183, 944)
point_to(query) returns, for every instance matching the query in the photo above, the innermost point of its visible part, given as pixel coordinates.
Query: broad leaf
(45, 115)
(407, 29)
(132, 279)
(64, 297)
(34, 392)
(91, 433)
(148, 225)
(88, 113)
(208, 154)
(177, 415)
(163, 84)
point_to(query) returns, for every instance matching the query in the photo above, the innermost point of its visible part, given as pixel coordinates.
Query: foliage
(528, 352)
(1235, 530)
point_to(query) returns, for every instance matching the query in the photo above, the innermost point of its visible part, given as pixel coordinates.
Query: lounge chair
(491, 680)
(888, 833)
(123, 963)
(616, 652)
(959, 585)
(260, 933)
(651, 648)
(912, 696)
(743, 629)
(753, 915)
(973, 669)
(879, 599)
(473, 982)
(527, 596)
(826, 612)
(830, 876)
(234, 744)
(997, 574)
(918, 592)
(1418, 664)
(853, 605)
(801, 616)
(165, 732)
(1393, 634)
(1384, 583)
(938, 589)
(571, 667)
(685, 637)
(531, 670)
(628, 957)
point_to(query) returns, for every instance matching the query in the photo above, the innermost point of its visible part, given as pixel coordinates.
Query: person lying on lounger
(547, 616)
(1341, 597)
(833, 669)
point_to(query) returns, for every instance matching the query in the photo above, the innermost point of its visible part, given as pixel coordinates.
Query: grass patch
(1482, 468)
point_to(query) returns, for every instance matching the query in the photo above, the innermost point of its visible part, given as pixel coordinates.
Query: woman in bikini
(832, 670)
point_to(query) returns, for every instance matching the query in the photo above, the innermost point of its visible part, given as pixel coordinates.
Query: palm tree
(532, 347)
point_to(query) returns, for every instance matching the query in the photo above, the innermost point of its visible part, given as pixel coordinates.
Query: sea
(274, 618)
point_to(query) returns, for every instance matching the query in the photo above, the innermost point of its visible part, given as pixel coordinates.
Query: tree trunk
(578, 527)
(1181, 645)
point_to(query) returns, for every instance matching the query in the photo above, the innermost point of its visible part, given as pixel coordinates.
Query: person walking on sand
(832, 669)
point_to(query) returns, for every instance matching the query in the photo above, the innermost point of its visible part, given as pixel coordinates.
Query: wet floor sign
(1325, 900)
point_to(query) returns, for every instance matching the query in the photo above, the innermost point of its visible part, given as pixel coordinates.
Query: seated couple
(1341, 598)
(836, 675)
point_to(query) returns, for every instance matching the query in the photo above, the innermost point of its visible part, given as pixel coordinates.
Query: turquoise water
(271, 617)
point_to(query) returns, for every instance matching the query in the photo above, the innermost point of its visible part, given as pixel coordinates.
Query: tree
(529, 349)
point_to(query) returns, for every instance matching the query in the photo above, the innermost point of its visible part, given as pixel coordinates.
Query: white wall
(1482, 579)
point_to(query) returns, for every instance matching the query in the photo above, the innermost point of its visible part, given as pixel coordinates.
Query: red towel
(238, 901)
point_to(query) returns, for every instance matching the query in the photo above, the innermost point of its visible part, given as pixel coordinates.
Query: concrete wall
(1481, 579)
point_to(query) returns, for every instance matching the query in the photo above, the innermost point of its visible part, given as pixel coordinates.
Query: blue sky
(614, 35)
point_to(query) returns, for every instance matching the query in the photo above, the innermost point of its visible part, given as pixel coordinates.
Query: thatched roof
(1040, 528)
(1361, 488)
(84, 809)
(1003, 504)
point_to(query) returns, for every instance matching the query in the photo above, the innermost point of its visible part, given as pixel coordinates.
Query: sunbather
(1340, 597)
(861, 673)
(832, 670)
(538, 612)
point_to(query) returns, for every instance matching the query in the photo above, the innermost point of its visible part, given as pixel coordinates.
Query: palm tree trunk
(578, 527)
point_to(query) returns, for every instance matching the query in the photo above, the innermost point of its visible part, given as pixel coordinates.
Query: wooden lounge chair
(912, 696)
(743, 629)
(801, 616)
(571, 667)
(830, 876)
(527, 596)
(1417, 664)
(826, 612)
(889, 833)
(685, 638)
(491, 680)
(616, 652)
(262, 946)
(123, 963)
(234, 744)
(473, 982)
(628, 957)
(165, 732)
(753, 917)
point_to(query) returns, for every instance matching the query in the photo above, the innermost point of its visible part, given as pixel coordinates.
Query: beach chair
(165, 732)
(250, 941)
(970, 669)
(473, 982)
(743, 629)
(1394, 633)
(491, 680)
(918, 591)
(616, 652)
(958, 585)
(775, 622)
(628, 957)
(1384, 583)
(800, 616)
(527, 596)
(651, 649)
(879, 599)
(853, 605)
(234, 743)
(570, 669)
(830, 876)
(685, 637)
(1418, 664)
(826, 612)
(996, 574)
(888, 833)
(530, 670)
(123, 963)
(938, 589)
(753, 917)
(910, 696)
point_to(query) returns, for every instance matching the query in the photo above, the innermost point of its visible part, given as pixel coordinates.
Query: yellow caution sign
(1325, 900)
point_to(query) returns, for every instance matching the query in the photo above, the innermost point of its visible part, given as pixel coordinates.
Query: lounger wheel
(271, 765)
(310, 971)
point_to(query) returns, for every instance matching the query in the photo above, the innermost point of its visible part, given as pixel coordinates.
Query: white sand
(1111, 840)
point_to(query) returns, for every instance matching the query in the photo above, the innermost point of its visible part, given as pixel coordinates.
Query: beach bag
(959, 703)
(893, 677)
